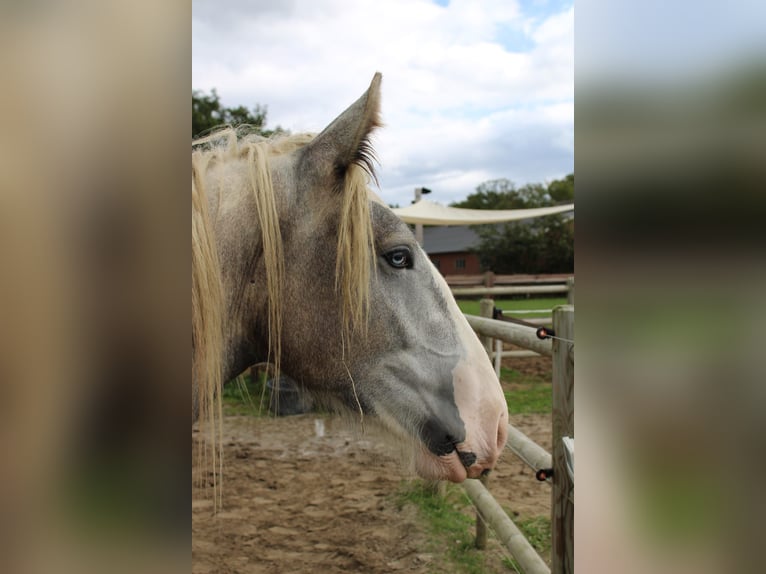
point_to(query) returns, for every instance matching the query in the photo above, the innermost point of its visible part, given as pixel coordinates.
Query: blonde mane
(355, 252)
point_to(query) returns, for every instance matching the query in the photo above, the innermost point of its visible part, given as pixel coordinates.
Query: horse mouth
(455, 466)
(454, 463)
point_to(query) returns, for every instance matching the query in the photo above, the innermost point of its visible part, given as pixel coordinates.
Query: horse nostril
(442, 437)
(466, 458)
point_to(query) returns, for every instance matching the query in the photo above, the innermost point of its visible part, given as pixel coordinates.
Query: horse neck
(240, 256)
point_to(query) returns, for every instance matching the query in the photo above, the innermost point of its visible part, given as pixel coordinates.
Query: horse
(296, 262)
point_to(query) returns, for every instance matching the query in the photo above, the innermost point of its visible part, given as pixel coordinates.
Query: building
(449, 248)
(452, 247)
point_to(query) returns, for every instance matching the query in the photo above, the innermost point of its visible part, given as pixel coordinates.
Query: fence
(489, 512)
(522, 284)
(489, 284)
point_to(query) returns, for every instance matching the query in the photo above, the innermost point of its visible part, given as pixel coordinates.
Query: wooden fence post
(487, 307)
(562, 508)
(570, 292)
(498, 356)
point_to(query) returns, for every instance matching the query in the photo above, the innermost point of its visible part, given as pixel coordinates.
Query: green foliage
(503, 194)
(562, 190)
(208, 113)
(540, 245)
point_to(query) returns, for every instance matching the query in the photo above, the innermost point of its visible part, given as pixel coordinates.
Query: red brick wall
(447, 263)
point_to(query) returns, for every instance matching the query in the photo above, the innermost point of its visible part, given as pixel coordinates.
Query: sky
(472, 90)
(661, 41)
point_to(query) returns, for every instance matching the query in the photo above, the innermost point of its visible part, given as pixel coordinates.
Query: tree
(208, 113)
(562, 190)
(503, 194)
(539, 245)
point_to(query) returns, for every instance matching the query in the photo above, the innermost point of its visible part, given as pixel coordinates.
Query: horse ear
(345, 141)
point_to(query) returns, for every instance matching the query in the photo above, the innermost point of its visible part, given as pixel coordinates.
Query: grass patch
(472, 306)
(513, 376)
(451, 523)
(529, 399)
(246, 395)
(451, 529)
(538, 531)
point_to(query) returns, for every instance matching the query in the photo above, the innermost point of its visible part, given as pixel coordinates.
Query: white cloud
(460, 106)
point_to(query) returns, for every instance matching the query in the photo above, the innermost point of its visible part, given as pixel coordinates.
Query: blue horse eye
(400, 258)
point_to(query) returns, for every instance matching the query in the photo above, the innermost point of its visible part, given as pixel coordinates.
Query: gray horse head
(320, 275)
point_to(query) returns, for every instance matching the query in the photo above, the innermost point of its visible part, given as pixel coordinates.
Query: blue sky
(472, 91)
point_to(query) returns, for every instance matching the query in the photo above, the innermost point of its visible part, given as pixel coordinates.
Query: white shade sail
(430, 213)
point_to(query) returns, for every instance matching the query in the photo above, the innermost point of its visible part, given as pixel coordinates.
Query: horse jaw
(483, 412)
(425, 463)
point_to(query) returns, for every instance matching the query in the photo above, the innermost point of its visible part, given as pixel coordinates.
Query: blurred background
(670, 115)
(94, 286)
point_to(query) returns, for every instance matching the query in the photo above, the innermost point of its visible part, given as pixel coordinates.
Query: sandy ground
(307, 494)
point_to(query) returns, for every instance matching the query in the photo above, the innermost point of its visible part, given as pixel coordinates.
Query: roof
(430, 213)
(452, 239)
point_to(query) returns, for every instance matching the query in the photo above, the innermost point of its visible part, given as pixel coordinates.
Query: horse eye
(399, 258)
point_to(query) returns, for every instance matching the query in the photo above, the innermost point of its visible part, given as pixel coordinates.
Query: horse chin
(427, 464)
(433, 467)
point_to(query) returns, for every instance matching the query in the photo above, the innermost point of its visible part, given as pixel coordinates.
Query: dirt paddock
(306, 494)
